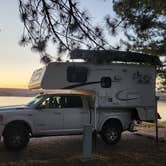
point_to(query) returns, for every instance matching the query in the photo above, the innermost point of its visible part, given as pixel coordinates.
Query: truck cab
(60, 112)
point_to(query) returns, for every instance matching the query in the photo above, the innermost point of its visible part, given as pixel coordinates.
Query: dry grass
(61, 151)
(150, 125)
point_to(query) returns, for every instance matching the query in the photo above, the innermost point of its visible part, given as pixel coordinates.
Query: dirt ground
(133, 150)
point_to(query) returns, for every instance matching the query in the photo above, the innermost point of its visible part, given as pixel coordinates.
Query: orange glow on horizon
(21, 86)
(14, 78)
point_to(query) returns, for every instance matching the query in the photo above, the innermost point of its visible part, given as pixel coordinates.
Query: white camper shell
(116, 85)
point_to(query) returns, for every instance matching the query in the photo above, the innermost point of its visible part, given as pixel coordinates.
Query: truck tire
(16, 137)
(111, 133)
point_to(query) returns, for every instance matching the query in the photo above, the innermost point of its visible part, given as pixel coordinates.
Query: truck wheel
(111, 133)
(16, 137)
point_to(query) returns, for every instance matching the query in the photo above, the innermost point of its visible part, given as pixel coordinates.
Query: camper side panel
(116, 85)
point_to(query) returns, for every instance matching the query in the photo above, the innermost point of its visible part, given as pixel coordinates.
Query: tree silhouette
(63, 22)
(59, 21)
(143, 23)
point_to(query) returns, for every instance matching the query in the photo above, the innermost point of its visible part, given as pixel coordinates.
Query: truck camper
(122, 80)
(111, 90)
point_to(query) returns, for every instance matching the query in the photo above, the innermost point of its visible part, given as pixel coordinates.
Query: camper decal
(141, 78)
(126, 95)
(82, 84)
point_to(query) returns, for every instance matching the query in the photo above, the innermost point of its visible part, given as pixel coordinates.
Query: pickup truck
(51, 114)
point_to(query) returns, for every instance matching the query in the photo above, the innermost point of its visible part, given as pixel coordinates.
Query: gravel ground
(132, 150)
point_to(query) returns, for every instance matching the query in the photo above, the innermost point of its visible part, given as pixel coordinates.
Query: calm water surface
(23, 100)
(12, 100)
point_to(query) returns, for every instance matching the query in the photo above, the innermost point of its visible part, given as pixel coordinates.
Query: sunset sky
(17, 63)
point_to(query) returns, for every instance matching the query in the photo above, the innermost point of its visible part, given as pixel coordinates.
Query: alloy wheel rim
(111, 135)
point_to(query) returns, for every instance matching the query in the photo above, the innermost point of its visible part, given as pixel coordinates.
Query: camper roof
(105, 56)
(69, 91)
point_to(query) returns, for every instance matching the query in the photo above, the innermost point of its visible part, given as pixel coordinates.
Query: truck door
(49, 117)
(74, 113)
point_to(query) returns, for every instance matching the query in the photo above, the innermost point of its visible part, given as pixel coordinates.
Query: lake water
(12, 100)
(23, 100)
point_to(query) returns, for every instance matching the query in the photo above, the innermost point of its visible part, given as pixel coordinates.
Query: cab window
(62, 101)
(50, 102)
(70, 102)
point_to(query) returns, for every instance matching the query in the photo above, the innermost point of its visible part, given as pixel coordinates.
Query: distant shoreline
(18, 92)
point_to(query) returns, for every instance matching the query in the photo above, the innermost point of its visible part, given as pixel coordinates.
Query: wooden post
(87, 143)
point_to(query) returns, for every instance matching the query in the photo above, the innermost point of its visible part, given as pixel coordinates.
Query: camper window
(106, 82)
(77, 74)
